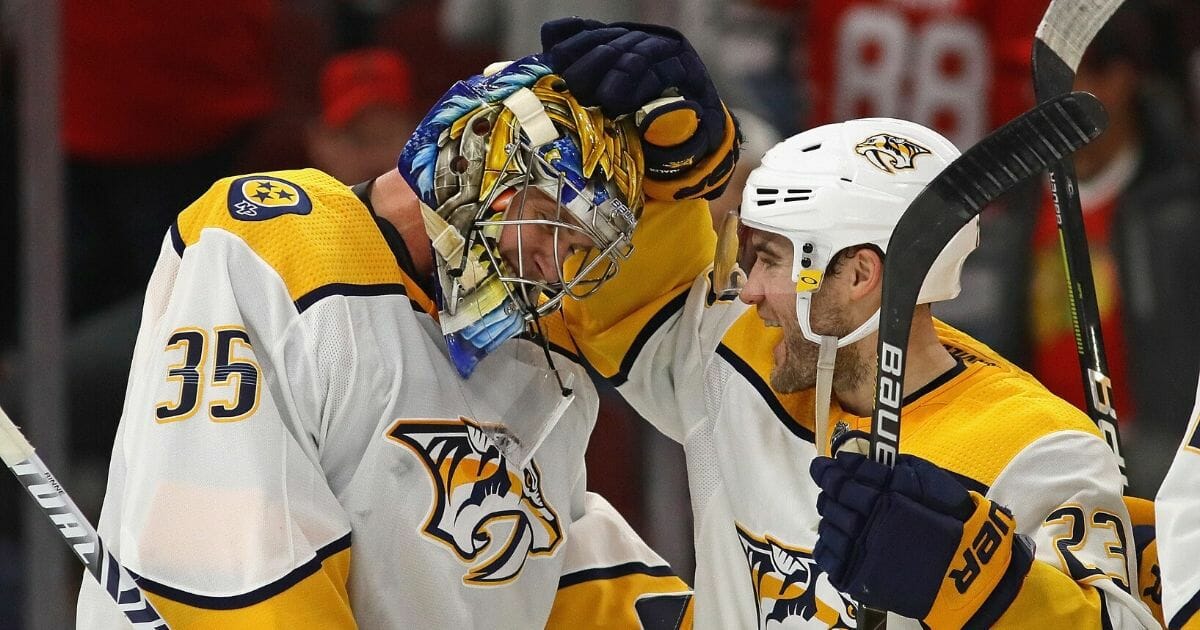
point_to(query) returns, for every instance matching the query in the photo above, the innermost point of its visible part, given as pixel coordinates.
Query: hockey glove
(690, 140)
(912, 540)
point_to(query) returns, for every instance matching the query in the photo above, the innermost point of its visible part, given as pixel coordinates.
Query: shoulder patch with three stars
(262, 197)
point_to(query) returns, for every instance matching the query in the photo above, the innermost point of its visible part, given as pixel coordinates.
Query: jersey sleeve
(651, 329)
(612, 579)
(1177, 510)
(1064, 491)
(216, 499)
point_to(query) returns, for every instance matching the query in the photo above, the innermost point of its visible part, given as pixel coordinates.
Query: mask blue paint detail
(417, 160)
(471, 344)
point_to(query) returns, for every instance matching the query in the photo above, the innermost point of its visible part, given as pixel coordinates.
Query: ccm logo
(986, 542)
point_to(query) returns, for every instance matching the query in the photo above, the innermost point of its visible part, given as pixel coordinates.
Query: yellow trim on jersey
(754, 343)
(609, 602)
(318, 602)
(991, 402)
(337, 242)
(1054, 600)
(606, 324)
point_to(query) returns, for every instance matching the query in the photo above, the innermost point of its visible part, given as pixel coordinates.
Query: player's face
(770, 288)
(537, 251)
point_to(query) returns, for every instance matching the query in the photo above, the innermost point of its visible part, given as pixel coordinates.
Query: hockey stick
(1016, 152)
(18, 455)
(1066, 30)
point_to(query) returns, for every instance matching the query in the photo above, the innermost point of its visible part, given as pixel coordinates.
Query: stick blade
(14, 448)
(1068, 26)
(1018, 151)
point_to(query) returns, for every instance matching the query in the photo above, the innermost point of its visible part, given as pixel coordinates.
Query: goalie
(358, 407)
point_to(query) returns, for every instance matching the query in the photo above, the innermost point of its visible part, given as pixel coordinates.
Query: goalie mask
(847, 184)
(475, 161)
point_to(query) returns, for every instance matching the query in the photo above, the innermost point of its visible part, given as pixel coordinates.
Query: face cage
(599, 263)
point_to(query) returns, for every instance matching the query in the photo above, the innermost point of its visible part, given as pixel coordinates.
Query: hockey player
(736, 387)
(1176, 508)
(314, 436)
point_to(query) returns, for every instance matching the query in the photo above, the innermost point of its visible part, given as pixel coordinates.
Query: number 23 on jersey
(215, 364)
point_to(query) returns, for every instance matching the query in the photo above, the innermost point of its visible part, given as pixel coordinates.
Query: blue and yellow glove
(690, 140)
(912, 540)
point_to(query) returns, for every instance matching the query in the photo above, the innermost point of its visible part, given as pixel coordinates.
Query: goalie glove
(689, 139)
(912, 540)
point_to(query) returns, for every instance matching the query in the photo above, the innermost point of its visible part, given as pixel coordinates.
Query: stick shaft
(75, 529)
(1053, 76)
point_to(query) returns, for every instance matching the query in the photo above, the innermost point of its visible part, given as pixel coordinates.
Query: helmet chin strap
(825, 363)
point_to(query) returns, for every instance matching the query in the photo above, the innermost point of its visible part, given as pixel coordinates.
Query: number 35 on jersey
(210, 371)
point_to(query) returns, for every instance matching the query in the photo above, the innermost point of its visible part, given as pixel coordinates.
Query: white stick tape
(1069, 26)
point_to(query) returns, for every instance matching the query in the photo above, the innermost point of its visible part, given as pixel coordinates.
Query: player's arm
(1065, 492)
(646, 325)
(612, 579)
(914, 541)
(650, 329)
(1177, 508)
(215, 498)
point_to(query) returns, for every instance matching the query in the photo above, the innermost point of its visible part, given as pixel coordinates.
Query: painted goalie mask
(476, 159)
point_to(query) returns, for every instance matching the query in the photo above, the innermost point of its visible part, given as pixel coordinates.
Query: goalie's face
(558, 234)
(538, 240)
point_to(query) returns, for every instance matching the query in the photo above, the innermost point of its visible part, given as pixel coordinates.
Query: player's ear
(865, 272)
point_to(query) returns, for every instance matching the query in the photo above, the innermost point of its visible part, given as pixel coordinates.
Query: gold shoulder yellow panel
(337, 242)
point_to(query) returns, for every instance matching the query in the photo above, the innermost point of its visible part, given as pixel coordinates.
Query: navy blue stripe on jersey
(662, 610)
(316, 295)
(1143, 535)
(969, 483)
(1105, 622)
(665, 313)
(177, 239)
(1186, 612)
(764, 390)
(945, 377)
(251, 598)
(557, 349)
(616, 571)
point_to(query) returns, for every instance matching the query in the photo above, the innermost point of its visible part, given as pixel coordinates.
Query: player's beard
(798, 370)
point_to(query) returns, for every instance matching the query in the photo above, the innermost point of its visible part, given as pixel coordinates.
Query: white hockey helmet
(847, 184)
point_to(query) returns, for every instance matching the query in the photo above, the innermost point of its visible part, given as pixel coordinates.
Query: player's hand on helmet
(912, 540)
(690, 140)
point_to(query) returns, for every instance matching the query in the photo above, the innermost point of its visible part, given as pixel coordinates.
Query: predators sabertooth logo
(790, 591)
(890, 153)
(491, 515)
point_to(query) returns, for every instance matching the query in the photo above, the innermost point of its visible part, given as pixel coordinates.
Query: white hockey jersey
(296, 449)
(699, 371)
(1177, 508)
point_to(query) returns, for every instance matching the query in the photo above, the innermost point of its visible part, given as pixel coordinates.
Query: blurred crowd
(159, 99)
